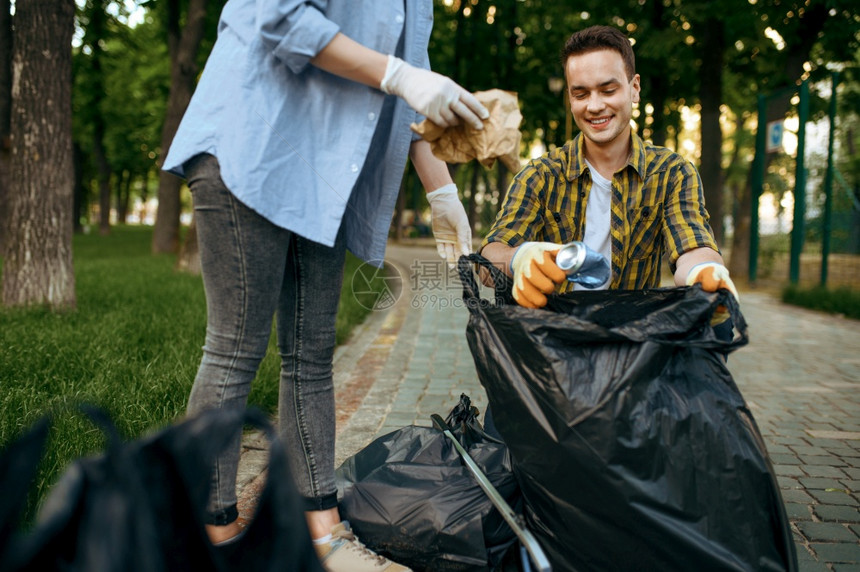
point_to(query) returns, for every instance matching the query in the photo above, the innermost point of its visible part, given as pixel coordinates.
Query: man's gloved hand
(535, 273)
(433, 95)
(713, 276)
(450, 224)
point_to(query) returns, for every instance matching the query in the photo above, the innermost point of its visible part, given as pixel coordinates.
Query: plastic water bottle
(583, 265)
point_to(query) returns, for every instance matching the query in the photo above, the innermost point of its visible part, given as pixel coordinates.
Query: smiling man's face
(601, 96)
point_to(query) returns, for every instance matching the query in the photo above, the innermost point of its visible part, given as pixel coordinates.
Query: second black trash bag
(632, 445)
(409, 496)
(140, 505)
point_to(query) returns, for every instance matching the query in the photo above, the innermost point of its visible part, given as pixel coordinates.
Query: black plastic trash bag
(632, 445)
(409, 496)
(19, 463)
(140, 506)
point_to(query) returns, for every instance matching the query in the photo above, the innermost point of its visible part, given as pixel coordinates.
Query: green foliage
(132, 347)
(843, 300)
(121, 86)
(482, 44)
(137, 84)
(121, 83)
(772, 248)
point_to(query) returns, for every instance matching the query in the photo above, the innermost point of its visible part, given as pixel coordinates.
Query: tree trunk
(471, 213)
(143, 214)
(165, 235)
(79, 202)
(460, 42)
(711, 97)
(5, 113)
(398, 211)
(501, 184)
(659, 94)
(38, 258)
(183, 46)
(506, 40)
(124, 197)
(189, 257)
(659, 86)
(97, 32)
(738, 263)
(103, 172)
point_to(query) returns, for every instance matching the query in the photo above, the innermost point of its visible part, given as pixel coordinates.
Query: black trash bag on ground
(409, 496)
(19, 463)
(632, 445)
(277, 538)
(141, 505)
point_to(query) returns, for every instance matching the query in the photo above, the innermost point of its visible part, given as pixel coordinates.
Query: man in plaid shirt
(629, 200)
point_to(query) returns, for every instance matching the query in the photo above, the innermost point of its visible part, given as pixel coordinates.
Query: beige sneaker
(346, 554)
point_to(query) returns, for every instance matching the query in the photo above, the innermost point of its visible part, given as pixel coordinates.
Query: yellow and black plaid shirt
(657, 207)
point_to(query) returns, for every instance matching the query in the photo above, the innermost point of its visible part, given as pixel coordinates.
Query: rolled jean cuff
(222, 517)
(319, 503)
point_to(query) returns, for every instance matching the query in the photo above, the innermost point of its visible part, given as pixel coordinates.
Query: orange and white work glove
(433, 95)
(713, 276)
(535, 273)
(450, 224)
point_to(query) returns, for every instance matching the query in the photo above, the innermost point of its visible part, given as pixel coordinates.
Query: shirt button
(353, 168)
(399, 18)
(371, 116)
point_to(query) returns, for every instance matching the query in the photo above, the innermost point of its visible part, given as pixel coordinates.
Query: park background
(101, 295)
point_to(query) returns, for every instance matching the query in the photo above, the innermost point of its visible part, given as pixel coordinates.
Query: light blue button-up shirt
(306, 149)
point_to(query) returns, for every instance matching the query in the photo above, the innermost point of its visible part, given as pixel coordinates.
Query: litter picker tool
(528, 543)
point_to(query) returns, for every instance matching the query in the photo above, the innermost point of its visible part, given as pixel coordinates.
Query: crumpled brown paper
(499, 139)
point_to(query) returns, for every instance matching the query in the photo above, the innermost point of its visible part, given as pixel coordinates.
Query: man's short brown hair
(600, 38)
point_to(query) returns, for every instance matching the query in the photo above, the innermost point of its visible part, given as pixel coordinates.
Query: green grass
(132, 347)
(842, 300)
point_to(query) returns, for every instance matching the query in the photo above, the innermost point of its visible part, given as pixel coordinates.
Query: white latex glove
(450, 224)
(433, 95)
(713, 276)
(535, 273)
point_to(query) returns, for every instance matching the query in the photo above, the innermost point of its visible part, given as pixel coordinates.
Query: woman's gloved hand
(450, 224)
(535, 273)
(433, 95)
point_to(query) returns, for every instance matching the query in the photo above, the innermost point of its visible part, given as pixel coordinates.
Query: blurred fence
(825, 249)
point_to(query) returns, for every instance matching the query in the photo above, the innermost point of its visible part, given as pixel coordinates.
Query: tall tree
(5, 111)
(95, 38)
(710, 99)
(38, 255)
(183, 45)
(656, 86)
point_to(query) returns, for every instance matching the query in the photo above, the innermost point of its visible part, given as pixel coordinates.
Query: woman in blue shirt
(294, 145)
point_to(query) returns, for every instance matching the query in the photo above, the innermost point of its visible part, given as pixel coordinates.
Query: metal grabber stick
(527, 540)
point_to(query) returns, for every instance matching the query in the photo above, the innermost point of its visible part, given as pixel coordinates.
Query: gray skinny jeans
(252, 272)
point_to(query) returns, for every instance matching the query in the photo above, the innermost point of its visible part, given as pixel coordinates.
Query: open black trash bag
(409, 496)
(140, 505)
(632, 445)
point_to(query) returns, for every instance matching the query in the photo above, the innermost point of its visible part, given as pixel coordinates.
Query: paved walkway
(800, 375)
